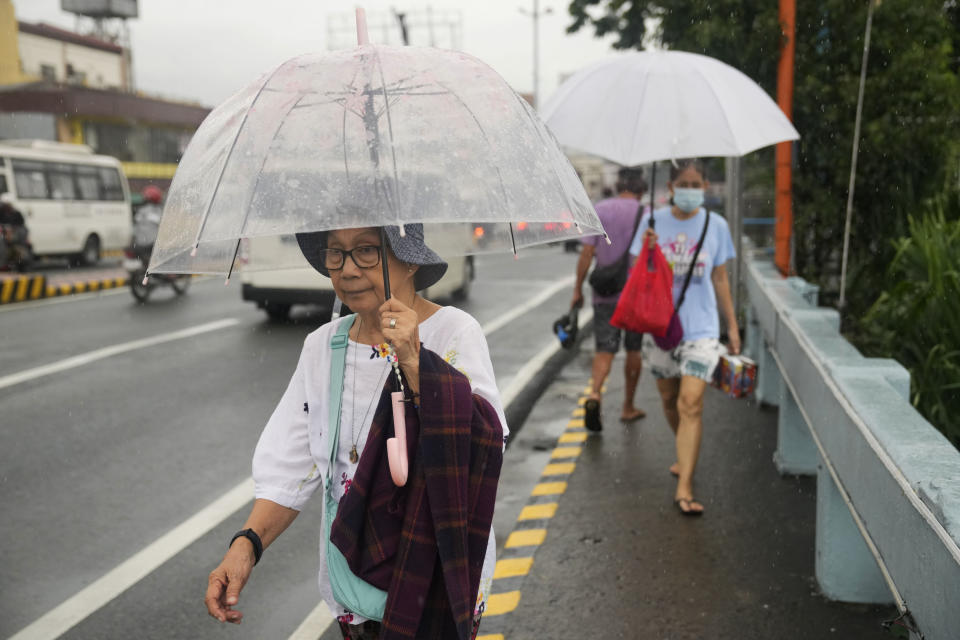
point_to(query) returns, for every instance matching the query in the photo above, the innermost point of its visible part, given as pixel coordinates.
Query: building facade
(67, 87)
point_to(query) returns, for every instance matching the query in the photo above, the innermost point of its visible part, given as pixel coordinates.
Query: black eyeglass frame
(345, 253)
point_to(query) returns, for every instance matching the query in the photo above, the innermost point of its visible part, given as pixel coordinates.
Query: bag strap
(338, 365)
(693, 265)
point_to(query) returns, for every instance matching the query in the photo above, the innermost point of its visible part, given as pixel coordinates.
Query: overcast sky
(206, 50)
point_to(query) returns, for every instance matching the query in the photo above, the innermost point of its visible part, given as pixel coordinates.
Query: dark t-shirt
(9, 215)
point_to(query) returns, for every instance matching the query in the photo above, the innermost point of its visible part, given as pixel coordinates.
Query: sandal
(591, 415)
(688, 502)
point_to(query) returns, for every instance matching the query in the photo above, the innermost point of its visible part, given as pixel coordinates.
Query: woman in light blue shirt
(683, 373)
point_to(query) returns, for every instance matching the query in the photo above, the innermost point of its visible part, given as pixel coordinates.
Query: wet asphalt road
(98, 461)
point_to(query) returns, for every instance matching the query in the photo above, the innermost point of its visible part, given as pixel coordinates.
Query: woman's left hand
(404, 335)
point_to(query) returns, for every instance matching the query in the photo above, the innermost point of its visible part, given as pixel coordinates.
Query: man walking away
(619, 217)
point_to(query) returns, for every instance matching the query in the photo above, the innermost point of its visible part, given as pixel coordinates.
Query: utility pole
(535, 14)
(783, 234)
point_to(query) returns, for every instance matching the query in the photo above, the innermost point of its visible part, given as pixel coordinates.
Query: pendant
(354, 456)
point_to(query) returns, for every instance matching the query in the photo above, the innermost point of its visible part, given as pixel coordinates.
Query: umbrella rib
(343, 128)
(233, 145)
(263, 163)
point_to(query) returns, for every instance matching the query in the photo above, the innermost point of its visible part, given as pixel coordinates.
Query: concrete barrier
(888, 483)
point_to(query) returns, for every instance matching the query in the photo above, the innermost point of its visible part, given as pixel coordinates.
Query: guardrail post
(769, 381)
(845, 568)
(796, 452)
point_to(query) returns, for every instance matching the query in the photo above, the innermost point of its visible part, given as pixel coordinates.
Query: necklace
(355, 438)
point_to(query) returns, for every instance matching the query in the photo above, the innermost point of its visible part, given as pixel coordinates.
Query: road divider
(106, 352)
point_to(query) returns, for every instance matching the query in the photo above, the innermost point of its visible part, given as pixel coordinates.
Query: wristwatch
(254, 539)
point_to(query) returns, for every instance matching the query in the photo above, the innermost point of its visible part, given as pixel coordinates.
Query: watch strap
(254, 539)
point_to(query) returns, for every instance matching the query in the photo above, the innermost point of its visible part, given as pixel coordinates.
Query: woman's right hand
(226, 581)
(650, 237)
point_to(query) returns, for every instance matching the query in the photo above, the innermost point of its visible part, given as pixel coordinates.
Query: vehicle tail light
(478, 232)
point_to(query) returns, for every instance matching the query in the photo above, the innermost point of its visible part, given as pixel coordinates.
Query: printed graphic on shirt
(679, 254)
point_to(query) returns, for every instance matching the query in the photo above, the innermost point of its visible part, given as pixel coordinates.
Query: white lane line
(320, 619)
(543, 296)
(106, 352)
(124, 576)
(314, 625)
(509, 392)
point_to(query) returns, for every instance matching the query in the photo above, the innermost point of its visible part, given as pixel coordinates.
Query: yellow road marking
(491, 636)
(526, 538)
(38, 286)
(6, 291)
(579, 413)
(566, 452)
(79, 287)
(501, 603)
(549, 488)
(51, 291)
(576, 422)
(538, 511)
(23, 282)
(66, 289)
(512, 567)
(568, 438)
(93, 285)
(121, 282)
(559, 468)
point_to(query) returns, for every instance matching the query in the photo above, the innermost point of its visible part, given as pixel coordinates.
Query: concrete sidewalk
(618, 561)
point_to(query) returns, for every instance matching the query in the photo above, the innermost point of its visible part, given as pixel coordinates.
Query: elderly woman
(293, 458)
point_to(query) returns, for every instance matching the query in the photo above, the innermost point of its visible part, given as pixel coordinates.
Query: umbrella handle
(397, 445)
(362, 37)
(383, 263)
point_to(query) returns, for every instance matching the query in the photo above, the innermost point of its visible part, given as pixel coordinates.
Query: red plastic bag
(646, 303)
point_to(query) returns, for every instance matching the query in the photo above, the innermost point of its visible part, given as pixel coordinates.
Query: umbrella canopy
(646, 106)
(371, 136)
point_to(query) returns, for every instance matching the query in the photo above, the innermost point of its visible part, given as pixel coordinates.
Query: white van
(276, 289)
(75, 203)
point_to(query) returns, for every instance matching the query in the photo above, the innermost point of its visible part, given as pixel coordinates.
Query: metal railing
(888, 483)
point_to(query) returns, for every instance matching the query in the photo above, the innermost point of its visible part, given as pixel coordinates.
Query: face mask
(687, 199)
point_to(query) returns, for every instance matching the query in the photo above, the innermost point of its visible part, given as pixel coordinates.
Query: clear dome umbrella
(372, 136)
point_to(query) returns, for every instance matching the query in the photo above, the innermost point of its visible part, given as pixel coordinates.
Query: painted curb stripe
(559, 468)
(570, 438)
(501, 603)
(6, 291)
(566, 452)
(23, 288)
(579, 412)
(491, 636)
(512, 568)
(549, 488)
(577, 422)
(538, 511)
(526, 538)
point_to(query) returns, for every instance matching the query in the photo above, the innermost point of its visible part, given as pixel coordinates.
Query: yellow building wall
(9, 45)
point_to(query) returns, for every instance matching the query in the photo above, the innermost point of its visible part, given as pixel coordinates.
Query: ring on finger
(393, 323)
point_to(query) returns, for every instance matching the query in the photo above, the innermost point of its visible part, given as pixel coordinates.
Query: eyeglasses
(365, 257)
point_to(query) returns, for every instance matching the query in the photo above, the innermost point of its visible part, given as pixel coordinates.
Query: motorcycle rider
(146, 222)
(15, 236)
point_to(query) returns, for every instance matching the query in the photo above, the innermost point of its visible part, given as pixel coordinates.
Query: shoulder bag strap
(338, 364)
(693, 265)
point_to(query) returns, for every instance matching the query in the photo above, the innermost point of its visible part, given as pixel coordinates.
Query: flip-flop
(639, 415)
(591, 415)
(689, 503)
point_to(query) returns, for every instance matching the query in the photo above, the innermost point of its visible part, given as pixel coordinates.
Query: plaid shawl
(425, 543)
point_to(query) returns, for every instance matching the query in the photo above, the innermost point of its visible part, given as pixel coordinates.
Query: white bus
(75, 203)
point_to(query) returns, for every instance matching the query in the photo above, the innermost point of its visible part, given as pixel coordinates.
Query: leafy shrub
(916, 320)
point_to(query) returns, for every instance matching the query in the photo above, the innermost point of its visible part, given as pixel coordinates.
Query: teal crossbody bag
(352, 592)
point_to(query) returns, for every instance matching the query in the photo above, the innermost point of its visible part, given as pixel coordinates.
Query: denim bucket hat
(409, 248)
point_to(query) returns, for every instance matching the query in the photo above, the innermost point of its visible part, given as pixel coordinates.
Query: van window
(60, 179)
(88, 182)
(112, 187)
(30, 180)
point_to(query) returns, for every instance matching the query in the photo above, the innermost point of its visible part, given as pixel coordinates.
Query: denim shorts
(696, 358)
(606, 336)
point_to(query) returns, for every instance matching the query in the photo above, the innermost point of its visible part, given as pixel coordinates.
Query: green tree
(909, 141)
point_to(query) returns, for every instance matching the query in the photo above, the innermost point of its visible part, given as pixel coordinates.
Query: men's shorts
(697, 358)
(606, 336)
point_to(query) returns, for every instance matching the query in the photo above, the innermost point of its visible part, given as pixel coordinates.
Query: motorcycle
(135, 263)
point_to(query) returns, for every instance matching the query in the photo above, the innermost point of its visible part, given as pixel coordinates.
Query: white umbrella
(646, 106)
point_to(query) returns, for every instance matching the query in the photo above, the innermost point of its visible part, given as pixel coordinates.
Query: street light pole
(536, 46)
